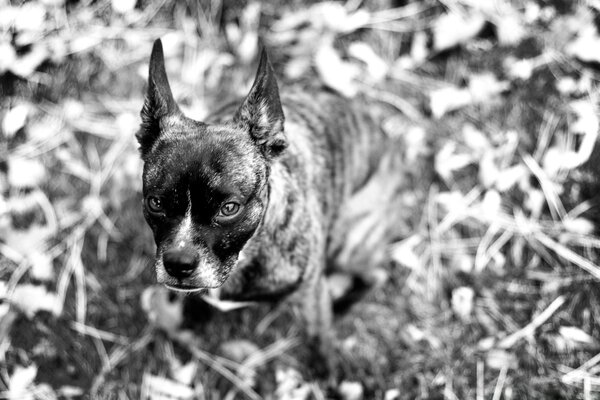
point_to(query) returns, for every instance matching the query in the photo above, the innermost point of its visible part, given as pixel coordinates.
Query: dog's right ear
(159, 101)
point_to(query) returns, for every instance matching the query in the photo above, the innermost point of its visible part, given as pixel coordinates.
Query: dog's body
(255, 209)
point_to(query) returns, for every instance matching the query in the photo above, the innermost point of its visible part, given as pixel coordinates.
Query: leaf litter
(510, 200)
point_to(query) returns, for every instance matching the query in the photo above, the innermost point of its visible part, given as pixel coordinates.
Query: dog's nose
(180, 263)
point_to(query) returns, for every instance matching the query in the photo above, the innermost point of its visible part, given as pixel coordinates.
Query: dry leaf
(447, 99)
(349, 390)
(339, 284)
(488, 171)
(30, 17)
(291, 385)
(15, 119)
(28, 63)
(580, 226)
(485, 86)
(509, 29)
(334, 72)
(160, 388)
(499, 359)
(33, 298)
(123, 6)
(376, 67)
(335, 17)
(186, 373)
(404, 253)
(8, 56)
(576, 336)
(455, 28)
(462, 302)
(448, 160)
(20, 385)
(161, 310)
(392, 394)
(586, 46)
(509, 177)
(475, 139)
(42, 267)
(25, 172)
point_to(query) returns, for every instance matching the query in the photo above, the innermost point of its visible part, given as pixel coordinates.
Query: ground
(491, 286)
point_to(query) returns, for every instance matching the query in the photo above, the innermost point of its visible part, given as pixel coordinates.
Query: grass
(490, 290)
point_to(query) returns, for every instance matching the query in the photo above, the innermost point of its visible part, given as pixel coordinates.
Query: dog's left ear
(261, 112)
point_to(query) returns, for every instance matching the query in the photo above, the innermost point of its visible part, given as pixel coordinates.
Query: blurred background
(490, 289)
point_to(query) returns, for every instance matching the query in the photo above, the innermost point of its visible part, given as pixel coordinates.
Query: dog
(261, 200)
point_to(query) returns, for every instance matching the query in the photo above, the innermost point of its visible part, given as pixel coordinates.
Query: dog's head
(205, 186)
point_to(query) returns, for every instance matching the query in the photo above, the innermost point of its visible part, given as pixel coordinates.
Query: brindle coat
(294, 179)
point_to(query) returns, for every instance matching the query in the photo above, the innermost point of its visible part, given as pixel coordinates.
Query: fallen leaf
(238, 350)
(581, 226)
(454, 28)
(158, 387)
(488, 170)
(186, 373)
(498, 359)
(509, 177)
(405, 254)
(339, 284)
(21, 383)
(519, 69)
(161, 310)
(31, 299)
(15, 119)
(42, 267)
(485, 86)
(392, 394)
(449, 98)
(25, 65)
(448, 160)
(25, 172)
(462, 302)
(123, 6)
(350, 390)
(334, 72)
(291, 385)
(576, 335)
(8, 55)
(376, 67)
(509, 29)
(475, 139)
(335, 17)
(30, 17)
(586, 46)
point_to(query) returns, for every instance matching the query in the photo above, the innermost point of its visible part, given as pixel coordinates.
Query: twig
(480, 380)
(500, 383)
(557, 209)
(95, 332)
(572, 376)
(395, 101)
(213, 363)
(569, 255)
(118, 355)
(530, 328)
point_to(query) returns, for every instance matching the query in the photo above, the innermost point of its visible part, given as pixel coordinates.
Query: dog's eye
(154, 204)
(229, 209)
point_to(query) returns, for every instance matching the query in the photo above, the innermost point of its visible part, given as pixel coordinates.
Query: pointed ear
(261, 112)
(159, 101)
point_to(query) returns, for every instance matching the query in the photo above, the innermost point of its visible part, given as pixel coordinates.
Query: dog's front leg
(314, 305)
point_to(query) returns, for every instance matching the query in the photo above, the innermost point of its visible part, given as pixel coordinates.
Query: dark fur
(300, 188)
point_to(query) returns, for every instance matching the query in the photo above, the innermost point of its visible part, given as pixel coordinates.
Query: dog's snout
(180, 263)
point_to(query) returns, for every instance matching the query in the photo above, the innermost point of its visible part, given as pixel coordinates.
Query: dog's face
(205, 186)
